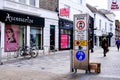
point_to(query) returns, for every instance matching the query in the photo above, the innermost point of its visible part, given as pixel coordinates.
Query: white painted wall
(27, 9)
(51, 18)
(99, 17)
(1, 4)
(102, 30)
(46, 39)
(75, 7)
(2, 35)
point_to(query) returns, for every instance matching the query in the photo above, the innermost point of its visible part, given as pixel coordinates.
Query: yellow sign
(80, 43)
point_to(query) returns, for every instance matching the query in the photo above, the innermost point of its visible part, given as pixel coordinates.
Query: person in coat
(105, 46)
(118, 44)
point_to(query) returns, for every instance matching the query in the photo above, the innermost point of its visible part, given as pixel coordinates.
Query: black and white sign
(22, 19)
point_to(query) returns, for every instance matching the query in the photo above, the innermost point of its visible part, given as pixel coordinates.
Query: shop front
(65, 34)
(20, 30)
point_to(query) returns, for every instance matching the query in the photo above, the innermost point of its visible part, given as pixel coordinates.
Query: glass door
(52, 37)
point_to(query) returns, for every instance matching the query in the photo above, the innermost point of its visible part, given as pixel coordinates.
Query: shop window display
(36, 37)
(13, 37)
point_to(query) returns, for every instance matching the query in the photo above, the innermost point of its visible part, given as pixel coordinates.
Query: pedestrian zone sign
(80, 40)
(80, 55)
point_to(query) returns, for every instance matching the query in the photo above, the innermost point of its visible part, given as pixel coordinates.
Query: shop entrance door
(52, 37)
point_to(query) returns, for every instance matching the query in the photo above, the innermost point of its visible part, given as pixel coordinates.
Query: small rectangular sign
(114, 5)
(80, 43)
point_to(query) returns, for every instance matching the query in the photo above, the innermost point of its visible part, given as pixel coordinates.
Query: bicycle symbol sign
(80, 55)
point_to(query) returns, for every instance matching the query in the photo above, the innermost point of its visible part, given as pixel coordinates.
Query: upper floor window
(12, 0)
(111, 27)
(22, 1)
(105, 26)
(32, 2)
(80, 1)
(100, 24)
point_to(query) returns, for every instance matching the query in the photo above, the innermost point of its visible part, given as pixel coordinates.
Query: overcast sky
(102, 4)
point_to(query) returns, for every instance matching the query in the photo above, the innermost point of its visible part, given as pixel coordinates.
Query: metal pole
(71, 61)
(1, 63)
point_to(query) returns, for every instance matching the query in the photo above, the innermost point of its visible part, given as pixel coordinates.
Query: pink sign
(113, 5)
(64, 12)
(64, 40)
(11, 37)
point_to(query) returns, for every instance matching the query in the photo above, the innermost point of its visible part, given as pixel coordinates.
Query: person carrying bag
(105, 46)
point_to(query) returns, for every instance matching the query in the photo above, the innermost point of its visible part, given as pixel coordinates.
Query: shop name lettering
(19, 19)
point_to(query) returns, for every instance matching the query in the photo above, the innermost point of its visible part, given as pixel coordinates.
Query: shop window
(100, 24)
(32, 2)
(22, 1)
(36, 37)
(80, 1)
(65, 38)
(14, 37)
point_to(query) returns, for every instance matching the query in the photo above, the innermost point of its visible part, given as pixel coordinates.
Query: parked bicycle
(26, 51)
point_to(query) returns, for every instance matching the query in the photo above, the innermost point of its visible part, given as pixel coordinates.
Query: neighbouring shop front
(65, 34)
(21, 30)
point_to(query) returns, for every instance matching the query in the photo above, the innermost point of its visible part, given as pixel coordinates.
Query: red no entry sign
(80, 25)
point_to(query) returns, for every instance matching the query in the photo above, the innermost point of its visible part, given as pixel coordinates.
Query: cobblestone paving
(58, 66)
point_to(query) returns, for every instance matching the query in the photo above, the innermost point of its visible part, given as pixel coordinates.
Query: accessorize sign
(22, 19)
(114, 4)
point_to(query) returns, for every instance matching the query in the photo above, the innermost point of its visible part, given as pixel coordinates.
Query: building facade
(117, 29)
(104, 25)
(105, 28)
(67, 10)
(27, 23)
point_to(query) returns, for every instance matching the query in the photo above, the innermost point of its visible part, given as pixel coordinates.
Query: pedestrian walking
(118, 44)
(91, 46)
(105, 46)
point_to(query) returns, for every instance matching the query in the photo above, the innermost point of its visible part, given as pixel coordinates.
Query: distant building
(104, 25)
(117, 29)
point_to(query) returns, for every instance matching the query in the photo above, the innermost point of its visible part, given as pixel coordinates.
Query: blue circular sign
(80, 55)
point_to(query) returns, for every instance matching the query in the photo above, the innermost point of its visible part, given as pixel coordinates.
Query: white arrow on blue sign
(80, 55)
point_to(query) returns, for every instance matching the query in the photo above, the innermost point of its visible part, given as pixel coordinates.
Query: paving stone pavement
(57, 67)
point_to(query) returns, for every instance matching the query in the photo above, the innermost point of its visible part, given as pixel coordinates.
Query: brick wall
(117, 29)
(49, 4)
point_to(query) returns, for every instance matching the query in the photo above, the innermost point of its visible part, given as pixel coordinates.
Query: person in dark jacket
(118, 44)
(105, 46)
(90, 46)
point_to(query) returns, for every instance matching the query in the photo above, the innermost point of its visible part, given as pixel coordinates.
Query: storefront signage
(114, 4)
(10, 18)
(65, 24)
(22, 19)
(64, 12)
